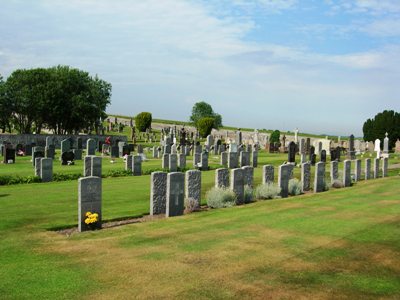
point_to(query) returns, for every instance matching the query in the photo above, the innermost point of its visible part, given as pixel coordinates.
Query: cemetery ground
(341, 243)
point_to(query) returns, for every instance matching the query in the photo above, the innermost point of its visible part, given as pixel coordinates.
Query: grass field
(339, 244)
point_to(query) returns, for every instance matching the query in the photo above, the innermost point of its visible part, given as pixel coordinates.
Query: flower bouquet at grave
(91, 219)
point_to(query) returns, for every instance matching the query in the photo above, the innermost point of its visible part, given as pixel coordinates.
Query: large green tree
(202, 110)
(275, 137)
(5, 108)
(64, 99)
(386, 121)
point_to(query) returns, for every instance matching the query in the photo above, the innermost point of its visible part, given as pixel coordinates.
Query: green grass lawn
(339, 244)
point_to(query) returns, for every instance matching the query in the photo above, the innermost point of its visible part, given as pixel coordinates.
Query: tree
(275, 137)
(143, 121)
(205, 126)
(202, 110)
(386, 121)
(5, 108)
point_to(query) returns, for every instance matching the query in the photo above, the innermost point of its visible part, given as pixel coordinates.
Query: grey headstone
(254, 159)
(182, 161)
(46, 169)
(193, 186)
(237, 185)
(165, 161)
(155, 152)
(173, 163)
(175, 194)
(248, 175)
(128, 163)
(334, 170)
(376, 168)
(385, 166)
(196, 159)
(114, 152)
(89, 200)
(347, 173)
(232, 160)
(50, 151)
(137, 165)
(96, 166)
(284, 175)
(90, 147)
(319, 179)
(244, 159)
(224, 159)
(268, 174)
(37, 166)
(306, 176)
(357, 170)
(158, 193)
(204, 161)
(65, 146)
(222, 178)
(77, 153)
(368, 169)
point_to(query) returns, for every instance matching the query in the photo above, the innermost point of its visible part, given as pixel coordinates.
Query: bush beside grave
(143, 121)
(220, 197)
(205, 126)
(267, 191)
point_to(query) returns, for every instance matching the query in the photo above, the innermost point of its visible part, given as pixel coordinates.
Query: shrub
(220, 197)
(143, 121)
(337, 184)
(294, 187)
(15, 179)
(267, 191)
(191, 205)
(205, 125)
(66, 177)
(248, 194)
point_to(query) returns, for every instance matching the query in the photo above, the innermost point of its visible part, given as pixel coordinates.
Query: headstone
(323, 156)
(224, 159)
(77, 154)
(79, 143)
(368, 169)
(158, 193)
(182, 161)
(238, 137)
(338, 153)
(244, 158)
(237, 185)
(232, 160)
(204, 161)
(377, 148)
(173, 162)
(306, 176)
(376, 168)
(89, 200)
(128, 163)
(196, 159)
(90, 147)
(268, 174)
(308, 145)
(397, 146)
(283, 179)
(313, 159)
(50, 151)
(137, 165)
(222, 178)
(352, 152)
(38, 161)
(193, 186)
(67, 157)
(140, 149)
(385, 166)
(386, 146)
(347, 173)
(248, 175)
(155, 152)
(46, 169)
(92, 166)
(254, 158)
(357, 170)
(175, 194)
(28, 150)
(302, 146)
(165, 161)
(36, 154)
(65, 146)
(334, 170)
(114, 152)
(292, 152)
(319, 179)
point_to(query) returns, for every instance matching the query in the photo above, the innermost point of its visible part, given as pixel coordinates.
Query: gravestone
(38, 161)
(165, 161)
(193, 186)
(385, 153)
(347, 173)
(182, 161)
(254, 158)
(357, 170)
(224, 159)
(50, 151)
(338, 153)
(308, 145)
(268, 174)
(155, 152)
(140, 149)
(303, 158)
(77, 154)
(67, 157)
(313, 159)
(128, 163)
(65, 146)
(36, 154)
(137, 165)
(248, 175)
(385, 166)
(173, 162)
(196, 159)
(397, 146)
(237, 185)
(175, 194)
(28, 149)
(333, 155)
(376, 168)
(302, 146)
(323, 156)
(204, 161)
(284, 175)
(367, 169)
(92, 166)
(238, 137)
(114, 152)
(292, 152)
(158, 193)
(9, 155)
(334, 170)
(46, 169)
(352, 152)
(306, 176)
(79, 143)
(91, 147)
(319, 179)
(89, 200)
(232, 160)
(222, 178)
(244, 158)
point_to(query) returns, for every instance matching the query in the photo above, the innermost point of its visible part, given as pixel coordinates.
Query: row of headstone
(172, 162)
(133, 164)
(44, 168)
(232, 160)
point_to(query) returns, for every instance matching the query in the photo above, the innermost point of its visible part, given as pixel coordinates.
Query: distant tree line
(386, 121)
(62, 99)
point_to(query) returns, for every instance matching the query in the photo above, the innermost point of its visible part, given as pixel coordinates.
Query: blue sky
(321, 66)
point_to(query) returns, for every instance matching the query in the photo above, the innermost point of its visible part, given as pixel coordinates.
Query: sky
(321, 66)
